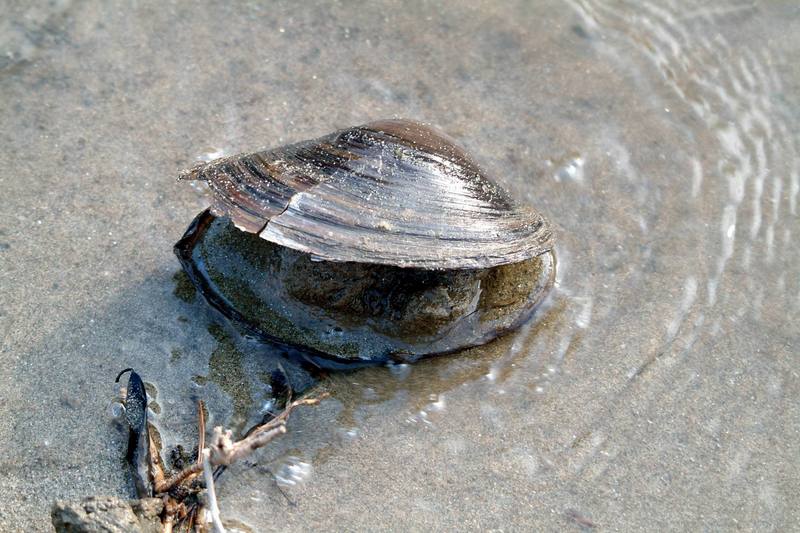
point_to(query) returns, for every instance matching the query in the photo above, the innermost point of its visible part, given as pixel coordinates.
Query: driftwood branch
(223, 451)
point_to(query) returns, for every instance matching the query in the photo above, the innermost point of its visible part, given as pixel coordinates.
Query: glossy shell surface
(393, 192)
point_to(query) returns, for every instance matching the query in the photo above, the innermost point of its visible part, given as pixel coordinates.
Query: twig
(171, 509)
(201, 430)
(167, 525)
(213, 508)
(179, 477)
(226, 452)
(156, 466)
(191, 518)
(223, 451)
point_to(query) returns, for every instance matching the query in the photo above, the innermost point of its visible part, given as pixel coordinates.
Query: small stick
(213, 508)
(179, 477)
(191, 518)
(156, 466)
(171, 508)
(223, 451)
(201, 430)
(167, 526)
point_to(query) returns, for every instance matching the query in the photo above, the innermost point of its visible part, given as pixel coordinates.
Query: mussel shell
(393, 192)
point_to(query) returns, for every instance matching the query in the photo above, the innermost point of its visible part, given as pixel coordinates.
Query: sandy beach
(657, 390)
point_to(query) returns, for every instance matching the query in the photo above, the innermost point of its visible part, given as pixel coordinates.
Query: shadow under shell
(356, 312)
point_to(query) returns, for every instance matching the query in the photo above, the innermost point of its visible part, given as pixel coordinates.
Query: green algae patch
(183, 287)
(267, 319)
(226, 370)
(250, 305)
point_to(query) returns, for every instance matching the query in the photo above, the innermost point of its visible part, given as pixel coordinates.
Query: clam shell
(393, 192)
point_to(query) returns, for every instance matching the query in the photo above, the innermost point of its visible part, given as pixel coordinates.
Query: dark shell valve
(383, 241)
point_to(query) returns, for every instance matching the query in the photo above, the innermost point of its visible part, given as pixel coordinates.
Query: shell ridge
(251, 211)
(274, 219)
(388, 192)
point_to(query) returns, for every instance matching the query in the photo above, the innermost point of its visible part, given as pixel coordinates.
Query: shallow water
(658, 390)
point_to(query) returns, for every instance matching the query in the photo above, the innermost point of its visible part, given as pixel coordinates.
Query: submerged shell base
(356, 312)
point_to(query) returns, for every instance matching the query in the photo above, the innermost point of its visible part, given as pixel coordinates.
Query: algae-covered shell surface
(383, 241)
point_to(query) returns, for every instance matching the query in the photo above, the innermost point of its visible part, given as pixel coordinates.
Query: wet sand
(659, 390)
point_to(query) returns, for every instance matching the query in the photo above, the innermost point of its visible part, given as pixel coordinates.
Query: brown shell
(393, 192)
